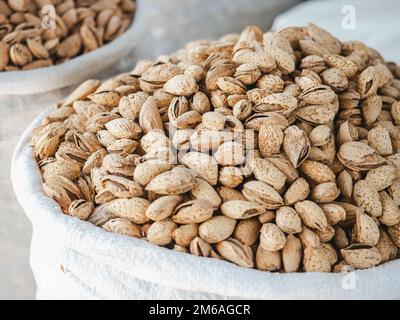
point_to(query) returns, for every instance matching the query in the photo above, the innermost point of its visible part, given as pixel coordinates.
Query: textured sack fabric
(376, 23)
(75, 70)
(72, 259)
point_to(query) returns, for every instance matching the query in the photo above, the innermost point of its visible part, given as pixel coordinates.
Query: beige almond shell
(184, 234)
(160, 232)
(386, 247)
(270, 139)
(163, 207)
(292, 254)
(123, 226)
(204, 165)
(203, 190)
(361, 256)
(133, 209)
(288, 220)
(181, 85)
(394, 232)
(248, 230)
(379, 139)
(240, 209)
(390, 210)
(268, 260)
(271, 237)
(330, 252)
(265, 171)
(366, 196)
(359, 156)
(195, 211)
(366, 230)
(230, 177)
(345, 183)
(200, 248)
(317, 171)
(340, 238)
(81, 209)
(326, 235)
(325, 192)
(298, 191)
(145, 172)
(230, 154)
(262, 194)
(173, 182)
(334, 213)
(320, 135)
(228, 194)
(235, 251)
(316, 260)
(296, 145)
(312, 215)
(381, 177)
(309, 238)
(217, 229)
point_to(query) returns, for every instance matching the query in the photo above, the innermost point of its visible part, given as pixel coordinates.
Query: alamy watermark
(49, 17)
(349, 20)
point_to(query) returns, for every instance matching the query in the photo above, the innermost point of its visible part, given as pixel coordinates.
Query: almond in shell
(292, 254)
(247, 230)
(316, 260)
(217, 229)
(263, 194)
(160, 232)
(271, 237)
(240, 209)
(184, 234)
(366, 196)
(298, 191)
(195, 211)
(361, 256)
(288, 220)
(204, 165)
(173, 182)
(390, 211)
(312, 215)
(235, 251)
(268, 260)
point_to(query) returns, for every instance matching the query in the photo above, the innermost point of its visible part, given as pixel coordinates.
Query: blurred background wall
(168, 25)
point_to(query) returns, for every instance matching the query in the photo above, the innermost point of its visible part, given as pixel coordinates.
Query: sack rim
(189, 272)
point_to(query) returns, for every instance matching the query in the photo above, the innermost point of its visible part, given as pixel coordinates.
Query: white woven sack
(77, 69)
(376, 23)
(72, 259)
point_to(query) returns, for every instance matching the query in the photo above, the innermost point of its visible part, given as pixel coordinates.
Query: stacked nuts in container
(40, 33)
(278, 151)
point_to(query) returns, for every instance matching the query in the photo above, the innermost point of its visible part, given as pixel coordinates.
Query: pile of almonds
(278, 151)
(40, 33)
